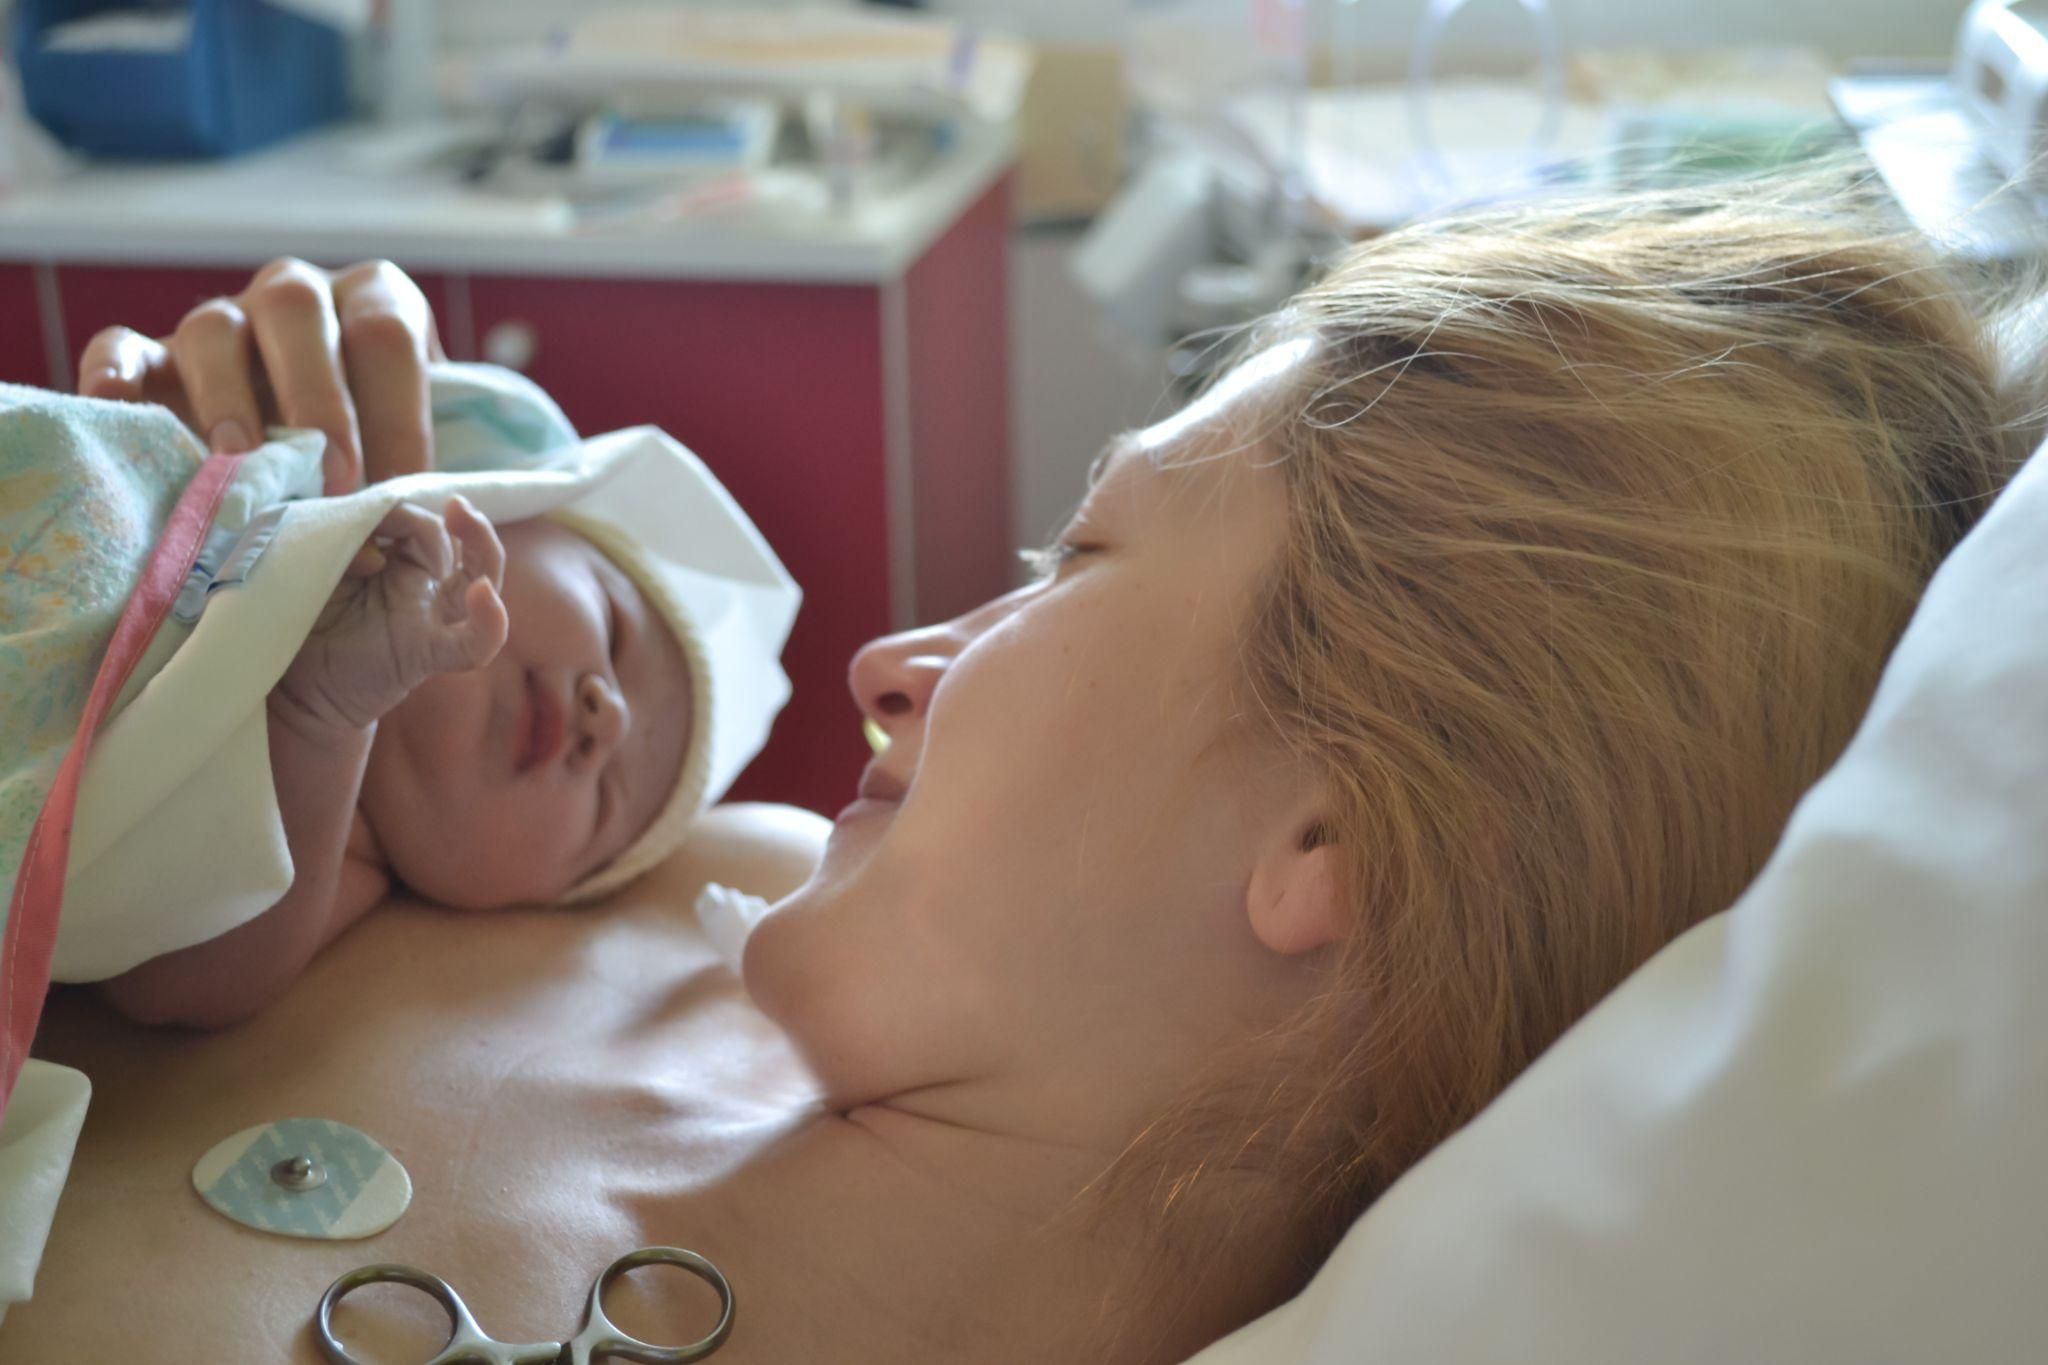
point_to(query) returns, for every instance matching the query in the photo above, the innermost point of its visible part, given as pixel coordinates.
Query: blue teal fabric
(85, 489)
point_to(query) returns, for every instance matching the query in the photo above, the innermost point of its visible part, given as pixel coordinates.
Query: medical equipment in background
(639, 94)
(595, 1341)
(1430, 157)
(2001, 81)
(1223, 222)
(1964, 149)
(718, 135)
(677, 157)
(887, 61)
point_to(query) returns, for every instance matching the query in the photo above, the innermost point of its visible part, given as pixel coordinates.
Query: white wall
(1071, 386)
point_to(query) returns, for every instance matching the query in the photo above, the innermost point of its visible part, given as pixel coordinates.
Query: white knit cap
(672, 822)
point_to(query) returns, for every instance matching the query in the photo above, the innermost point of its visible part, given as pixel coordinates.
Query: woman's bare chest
(560, 1089)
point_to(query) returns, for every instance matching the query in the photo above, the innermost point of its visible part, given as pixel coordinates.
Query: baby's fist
(420, 599)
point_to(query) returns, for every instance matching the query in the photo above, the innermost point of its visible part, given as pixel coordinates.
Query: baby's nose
(601, 713)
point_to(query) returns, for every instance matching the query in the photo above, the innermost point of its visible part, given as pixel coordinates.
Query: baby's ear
(1296, 900)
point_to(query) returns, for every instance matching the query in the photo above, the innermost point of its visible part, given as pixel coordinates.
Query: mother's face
(1055, 849)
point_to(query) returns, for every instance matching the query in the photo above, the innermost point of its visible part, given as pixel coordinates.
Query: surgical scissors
(596, 1340)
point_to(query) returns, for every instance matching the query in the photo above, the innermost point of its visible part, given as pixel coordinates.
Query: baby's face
(510, 784)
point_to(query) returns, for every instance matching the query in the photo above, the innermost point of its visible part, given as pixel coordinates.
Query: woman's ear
(1296, 900)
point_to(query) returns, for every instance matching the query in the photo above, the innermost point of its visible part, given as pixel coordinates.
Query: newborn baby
(513, 681)
(488, 717)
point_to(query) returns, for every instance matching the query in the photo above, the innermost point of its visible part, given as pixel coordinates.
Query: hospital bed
(1810, 1131)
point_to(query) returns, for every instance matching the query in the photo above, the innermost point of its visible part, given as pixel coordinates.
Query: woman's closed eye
(1046, 561)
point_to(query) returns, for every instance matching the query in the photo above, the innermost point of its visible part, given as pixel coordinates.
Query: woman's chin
(799, 968)
(762, 955)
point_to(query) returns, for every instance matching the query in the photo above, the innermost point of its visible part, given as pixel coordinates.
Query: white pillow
(1813, 1130)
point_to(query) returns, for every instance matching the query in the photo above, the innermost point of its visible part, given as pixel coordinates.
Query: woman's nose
(601, 720)
(893, 678)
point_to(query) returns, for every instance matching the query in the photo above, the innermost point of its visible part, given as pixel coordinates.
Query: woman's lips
(879, 791)
(540, 726)
(877, 784)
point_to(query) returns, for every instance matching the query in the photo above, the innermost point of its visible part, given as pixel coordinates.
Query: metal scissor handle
(467, 1344)
(598, 1339)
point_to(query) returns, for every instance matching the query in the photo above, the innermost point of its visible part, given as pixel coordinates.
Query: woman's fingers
(388, 375)
(387, 340)
(395, 291)
(210, 352)
(290, 307)
(344, 353)
(113, 363)
(125, 366)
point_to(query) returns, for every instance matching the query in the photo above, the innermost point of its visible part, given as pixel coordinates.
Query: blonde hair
(1603, 518)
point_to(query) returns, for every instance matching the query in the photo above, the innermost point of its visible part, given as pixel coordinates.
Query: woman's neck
(883, 1234)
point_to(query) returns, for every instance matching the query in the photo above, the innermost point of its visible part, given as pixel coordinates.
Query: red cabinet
(23, 344)
(954, 387)
(864, 427)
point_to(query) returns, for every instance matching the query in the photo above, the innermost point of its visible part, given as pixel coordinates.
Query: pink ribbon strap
(30, 942)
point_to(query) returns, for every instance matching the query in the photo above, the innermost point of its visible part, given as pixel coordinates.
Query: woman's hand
(421, 600)
(343, 352)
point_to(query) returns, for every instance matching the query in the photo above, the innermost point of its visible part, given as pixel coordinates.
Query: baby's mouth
(540, 726)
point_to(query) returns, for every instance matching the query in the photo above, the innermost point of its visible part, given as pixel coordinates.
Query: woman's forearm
(317, 768)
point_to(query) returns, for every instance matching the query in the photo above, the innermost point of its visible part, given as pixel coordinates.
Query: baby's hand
(420, 599)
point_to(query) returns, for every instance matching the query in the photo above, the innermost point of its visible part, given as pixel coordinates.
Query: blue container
(248, 75)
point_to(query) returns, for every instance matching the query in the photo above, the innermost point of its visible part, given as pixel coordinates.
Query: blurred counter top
(356, 191)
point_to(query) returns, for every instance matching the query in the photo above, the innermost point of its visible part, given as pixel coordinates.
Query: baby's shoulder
(763, 849)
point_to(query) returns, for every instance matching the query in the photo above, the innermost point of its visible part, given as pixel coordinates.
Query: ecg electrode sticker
(305, 1178)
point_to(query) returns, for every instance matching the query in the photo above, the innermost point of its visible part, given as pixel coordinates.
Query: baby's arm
(423, 600)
